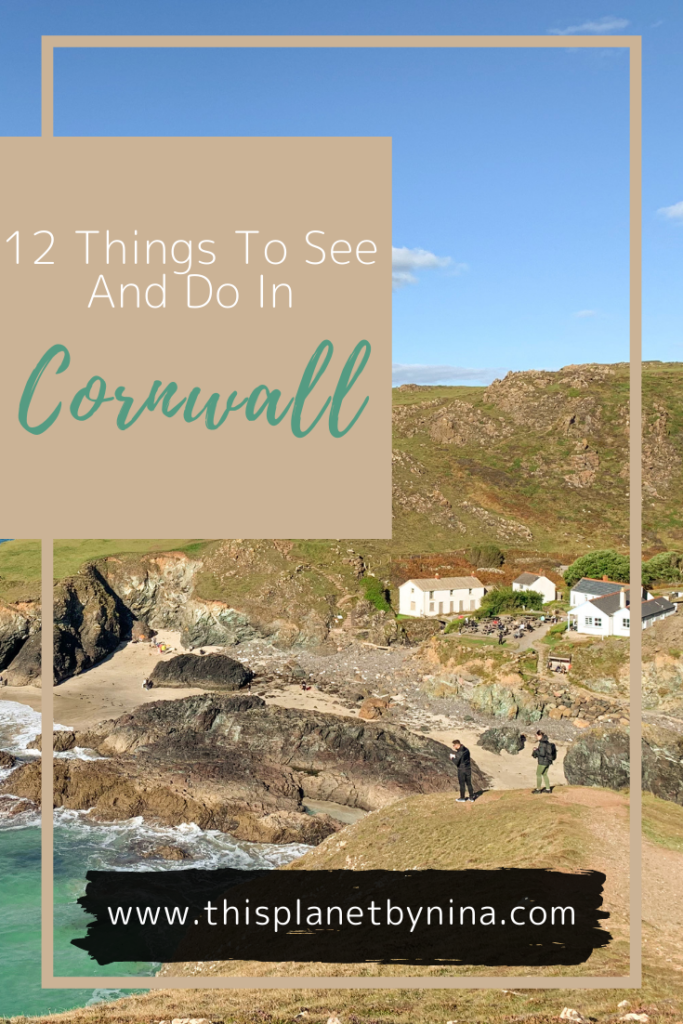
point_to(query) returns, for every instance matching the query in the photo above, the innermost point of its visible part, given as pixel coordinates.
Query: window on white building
(626, 623)
(431, 595)
(431, 606)
(470, 590)
(598, 621)
(589, 620)
(412, 606)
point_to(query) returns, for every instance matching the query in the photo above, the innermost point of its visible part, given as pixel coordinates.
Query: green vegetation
(69, 555)
(663, 568)
(487, 556)
(597, 564)
(376, 593)
(663, 822)
(555, 634)
(505, 599)
(20, 570)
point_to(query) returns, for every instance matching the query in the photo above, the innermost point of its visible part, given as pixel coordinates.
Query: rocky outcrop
(373, 708)
(663, 763)
(7, 760)
(24, 670)
(212, 798)
(90, 621)
(209, 672)
(598, 757)
(502, 738)
(17, 622)
(503, 700)
(62, 739)
(233, 763)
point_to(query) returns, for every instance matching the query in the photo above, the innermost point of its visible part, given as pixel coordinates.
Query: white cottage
(611, 615)
(437, 596)
(541, 584)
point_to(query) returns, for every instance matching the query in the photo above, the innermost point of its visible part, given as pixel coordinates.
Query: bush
(597, 564)
(505, 599)
(376, 593)
(663, 568)
(487, 556)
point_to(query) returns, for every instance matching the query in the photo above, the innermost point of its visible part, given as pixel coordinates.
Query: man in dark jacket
(543, 753)
(461, 759)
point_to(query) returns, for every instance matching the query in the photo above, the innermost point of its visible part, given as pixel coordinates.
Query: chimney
(605, 579)
(436, 576)
(622, 598)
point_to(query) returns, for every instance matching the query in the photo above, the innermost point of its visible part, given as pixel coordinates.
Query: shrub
(376, 593)
(488, 556)
(597, 564)
(663, 568)
(505, 599)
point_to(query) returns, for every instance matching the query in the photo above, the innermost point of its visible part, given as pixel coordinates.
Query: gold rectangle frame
(634, 978)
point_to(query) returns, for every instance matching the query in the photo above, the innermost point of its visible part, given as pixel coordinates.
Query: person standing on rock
(462, 761)
(545, 753)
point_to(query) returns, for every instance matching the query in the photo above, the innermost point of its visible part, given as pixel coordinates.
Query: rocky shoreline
(236, 764)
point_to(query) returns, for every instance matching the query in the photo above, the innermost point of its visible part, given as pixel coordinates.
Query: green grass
(20, 570)
(663, 822)
(69, 555)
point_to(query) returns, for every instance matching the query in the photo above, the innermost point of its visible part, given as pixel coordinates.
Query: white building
(611, 615)
(586, 589)
(446, 596)
(541, 584)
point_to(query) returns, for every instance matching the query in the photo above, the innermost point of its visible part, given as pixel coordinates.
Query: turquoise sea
(80, 845)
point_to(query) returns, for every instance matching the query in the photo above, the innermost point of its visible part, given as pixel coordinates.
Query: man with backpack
(545, 753)
(461, 758)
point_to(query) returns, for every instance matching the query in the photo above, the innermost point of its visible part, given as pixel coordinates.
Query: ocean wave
(19, 724)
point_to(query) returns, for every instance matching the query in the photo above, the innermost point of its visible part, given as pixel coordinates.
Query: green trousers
(542, 781)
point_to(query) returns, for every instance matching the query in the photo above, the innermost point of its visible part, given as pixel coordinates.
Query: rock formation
(233, 763)
(598, 757)
(209, 672)
(502, 738)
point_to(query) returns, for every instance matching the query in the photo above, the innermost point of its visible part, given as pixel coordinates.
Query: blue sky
(510, 167)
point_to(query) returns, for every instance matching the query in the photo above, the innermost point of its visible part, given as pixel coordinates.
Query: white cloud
(404, 263)
(602, 25)
(426, 373)
(586, 312)
(674, 212)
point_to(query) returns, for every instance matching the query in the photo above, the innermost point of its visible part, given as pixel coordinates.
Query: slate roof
(611, 603)
(598, 588)
(527, 578)
(656, 606)
(448, 583)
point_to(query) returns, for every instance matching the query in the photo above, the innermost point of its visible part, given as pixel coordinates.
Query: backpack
(552, 750)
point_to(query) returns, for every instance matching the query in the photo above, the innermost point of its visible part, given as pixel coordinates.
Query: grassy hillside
(505, 828)
(536, 463)
(397, 835)
(20, 570)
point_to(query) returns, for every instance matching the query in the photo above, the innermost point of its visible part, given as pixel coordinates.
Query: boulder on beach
(208, 672)
(502, 737)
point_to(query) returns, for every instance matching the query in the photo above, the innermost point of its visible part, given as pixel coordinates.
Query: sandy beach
(114, 687)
